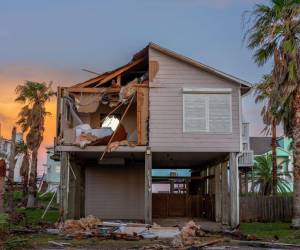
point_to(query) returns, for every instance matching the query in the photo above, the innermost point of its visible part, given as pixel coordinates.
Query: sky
(53, 40)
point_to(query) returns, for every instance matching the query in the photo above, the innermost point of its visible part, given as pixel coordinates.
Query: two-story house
(162, 110)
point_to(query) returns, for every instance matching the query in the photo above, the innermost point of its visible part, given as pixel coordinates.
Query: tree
(270, 119)
(274, 33)
(262, 176)
(34, 96)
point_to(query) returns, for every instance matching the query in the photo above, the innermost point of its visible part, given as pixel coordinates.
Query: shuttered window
(207, 112)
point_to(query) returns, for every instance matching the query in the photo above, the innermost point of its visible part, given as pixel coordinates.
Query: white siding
(166, 109)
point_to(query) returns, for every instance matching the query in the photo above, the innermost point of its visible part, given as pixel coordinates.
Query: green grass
(267, 231)
(33, 215)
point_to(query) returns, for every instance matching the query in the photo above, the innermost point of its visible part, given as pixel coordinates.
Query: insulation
(87, 103)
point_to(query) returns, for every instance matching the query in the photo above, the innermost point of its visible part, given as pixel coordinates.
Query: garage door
(115, 192)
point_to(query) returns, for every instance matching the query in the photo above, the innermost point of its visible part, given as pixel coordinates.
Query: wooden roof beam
(93, 90)
(120, 71)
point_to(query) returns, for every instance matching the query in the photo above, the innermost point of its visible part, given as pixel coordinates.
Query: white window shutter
(220, 113)
(207, 112)
(195, 110)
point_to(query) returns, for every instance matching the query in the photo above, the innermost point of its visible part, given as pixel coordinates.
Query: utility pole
(11, 168)
(2, 184)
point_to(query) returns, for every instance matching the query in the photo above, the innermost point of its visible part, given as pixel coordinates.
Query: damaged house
(162, 110)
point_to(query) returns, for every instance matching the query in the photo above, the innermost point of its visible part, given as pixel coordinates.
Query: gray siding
(166, 108)
(115, 192)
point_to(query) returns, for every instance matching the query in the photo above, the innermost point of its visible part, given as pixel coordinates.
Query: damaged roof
(143, 56)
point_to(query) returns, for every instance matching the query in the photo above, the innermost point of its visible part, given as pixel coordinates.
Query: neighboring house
(5, 146)
(170, 180)
(175, 113)
(52, 170)
(284, 152)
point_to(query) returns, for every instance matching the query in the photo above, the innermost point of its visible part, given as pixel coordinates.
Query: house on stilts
(162, 110)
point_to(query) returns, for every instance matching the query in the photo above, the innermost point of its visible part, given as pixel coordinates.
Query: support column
(63, 186)
(76, 186)
(225, 195)
(234, 191)
(218, 193)
(148, 186)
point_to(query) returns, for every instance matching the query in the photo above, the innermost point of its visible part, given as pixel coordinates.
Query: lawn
(271, 231)
(34, 215)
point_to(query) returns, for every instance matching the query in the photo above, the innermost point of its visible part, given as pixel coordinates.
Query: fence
(265, 208)
(183, 205)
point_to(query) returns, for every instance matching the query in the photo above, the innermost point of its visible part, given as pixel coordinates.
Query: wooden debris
(82, 227)
(59, 244)
(208, 243)
(93, 90)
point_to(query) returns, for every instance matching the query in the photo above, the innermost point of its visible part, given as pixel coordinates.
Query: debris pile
(84, 226)
(187, 235)
(94, 227)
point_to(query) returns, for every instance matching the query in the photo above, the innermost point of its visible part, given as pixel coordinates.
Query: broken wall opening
(86, 108)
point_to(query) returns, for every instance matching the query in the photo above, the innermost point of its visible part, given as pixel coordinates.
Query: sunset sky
(53, 40)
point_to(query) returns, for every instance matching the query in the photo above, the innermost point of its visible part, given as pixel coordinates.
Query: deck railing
(247, 159)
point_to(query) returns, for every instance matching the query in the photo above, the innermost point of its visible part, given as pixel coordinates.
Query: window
(207, 111)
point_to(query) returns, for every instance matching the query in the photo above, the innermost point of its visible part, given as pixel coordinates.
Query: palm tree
(274, 32)
(262, 176)
(34, 96)
(262, 91)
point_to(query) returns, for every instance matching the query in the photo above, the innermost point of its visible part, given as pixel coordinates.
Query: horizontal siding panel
(190, 148)
(188, 140)
(194, 145)
(163, 117)
(166, 104)
(177, 83)
(160, 107)
(159, 148)
(156, 132)
(177, 86)
(166, 108)
(177, 124)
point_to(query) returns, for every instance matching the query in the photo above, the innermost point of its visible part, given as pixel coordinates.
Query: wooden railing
(247, 159)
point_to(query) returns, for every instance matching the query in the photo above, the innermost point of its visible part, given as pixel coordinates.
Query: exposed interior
(110, 109)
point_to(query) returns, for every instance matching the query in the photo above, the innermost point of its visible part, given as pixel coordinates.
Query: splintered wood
(142, 114)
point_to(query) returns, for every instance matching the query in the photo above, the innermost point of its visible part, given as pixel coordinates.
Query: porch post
(148, 186)
(224, 188)
(218, 193)
(234, 191)
(63, 187)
